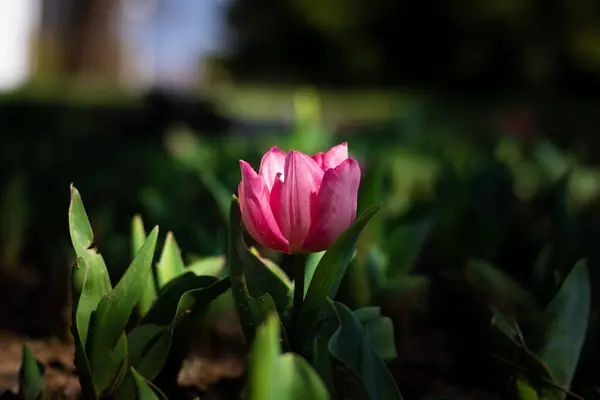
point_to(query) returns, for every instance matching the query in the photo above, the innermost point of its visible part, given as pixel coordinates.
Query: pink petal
(336, 206)
(335, 156)
(271, 164)
(319, 159)
(299, 197)
(275, 198)
(256, 210)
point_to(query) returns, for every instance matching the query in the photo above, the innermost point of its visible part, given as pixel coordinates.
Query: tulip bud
(297, 203)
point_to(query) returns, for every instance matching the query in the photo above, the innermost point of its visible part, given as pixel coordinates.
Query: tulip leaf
(352, 345)
(107, 345)
(148, 347)
(89, 284)
(568, 314)
(144, 389)
(170, 264)
(381, 331)
(138, 237)
(253, 307)
(162, 339)
(276, 376)
(208, 266)
(31, 377)
(525, 391)
(328, 276)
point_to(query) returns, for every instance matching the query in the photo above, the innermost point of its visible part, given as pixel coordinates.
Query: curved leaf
(252, 308)
(170, 264)
(569, 314)
(351, 344)
(208, 266)
(138, 237)
(31, 377)
(112, 315)
(273, 376)
(328, 276)
(144, 389)
(381, 331)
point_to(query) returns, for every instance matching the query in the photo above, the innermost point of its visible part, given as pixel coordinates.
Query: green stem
(299, 266)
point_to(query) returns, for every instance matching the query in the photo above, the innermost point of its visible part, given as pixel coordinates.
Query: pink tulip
(297, 203)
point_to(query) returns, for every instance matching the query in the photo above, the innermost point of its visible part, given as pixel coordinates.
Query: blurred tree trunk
(79, 38)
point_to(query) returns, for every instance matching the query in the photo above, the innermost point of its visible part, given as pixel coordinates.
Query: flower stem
(299, 266)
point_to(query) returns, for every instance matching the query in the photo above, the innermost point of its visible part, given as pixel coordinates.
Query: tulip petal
(272, 163)
(336, 206)
(275, 198)
(319, 159)
(299, 197)
(256, 210)
(335, 156)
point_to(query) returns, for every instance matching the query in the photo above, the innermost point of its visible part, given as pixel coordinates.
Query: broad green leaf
(89, 284)
(208, 266)
(525, 391)
(31, 377)
(328, 275)
(262, 280)
(273, 376)
(299, 380)
(144, 389)
(312, 261)
(568, 314)
(381, 330)
(263, 372)
(113, 313)
(182, 293)
(138, 237)
(252, 309)
(170, 264)
(352, 345)
(151, 343)
(94, 277)
(508, 326)
(148, 347)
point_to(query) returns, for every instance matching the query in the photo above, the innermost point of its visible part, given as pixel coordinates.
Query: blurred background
(474, 122)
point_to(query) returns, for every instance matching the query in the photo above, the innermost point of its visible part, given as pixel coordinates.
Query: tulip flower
(298, 203)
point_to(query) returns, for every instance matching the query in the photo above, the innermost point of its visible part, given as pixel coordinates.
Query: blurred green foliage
(502, 45)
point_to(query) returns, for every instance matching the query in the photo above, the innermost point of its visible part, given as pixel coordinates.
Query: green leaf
(328, 275)
(568, 314)
(107, 345)
(138, 237)
(150, 343)
(208, 266)
(505, 291)
(299, 379)
(170, 264)
(89, 284)
(252, 309)
(181, 294)
(263, 369)
(525, 391)
(381, 331)
(352, 345)
(261, 280)
(406, 243)
(144, 389)
(148, 347)
(31, 377)
(312, 260)
(273, 376)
